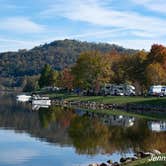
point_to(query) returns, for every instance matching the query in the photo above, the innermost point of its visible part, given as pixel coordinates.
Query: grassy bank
(146, 162)
(113, 99)
(152, 101)
(120, 99)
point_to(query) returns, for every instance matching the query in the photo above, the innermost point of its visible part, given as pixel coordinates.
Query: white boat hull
(23, 98)
(41, 102)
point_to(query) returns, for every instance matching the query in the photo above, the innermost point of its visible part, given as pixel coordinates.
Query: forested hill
(58, 54)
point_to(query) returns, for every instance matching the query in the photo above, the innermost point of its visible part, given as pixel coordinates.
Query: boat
(37, 97)
(39, 100)
(23, 98)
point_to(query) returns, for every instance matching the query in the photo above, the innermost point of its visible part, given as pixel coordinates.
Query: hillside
(58, 54)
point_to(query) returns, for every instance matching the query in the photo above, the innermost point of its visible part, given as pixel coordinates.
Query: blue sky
(129, 23)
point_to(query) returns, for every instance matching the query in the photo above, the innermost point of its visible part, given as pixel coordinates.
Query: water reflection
(112, 120)
(36, 107)
(158, 126)
(88, 132)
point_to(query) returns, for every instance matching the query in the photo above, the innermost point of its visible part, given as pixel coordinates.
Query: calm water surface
(64, 137)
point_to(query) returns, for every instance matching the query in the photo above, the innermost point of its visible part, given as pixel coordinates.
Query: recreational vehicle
(118, 90)
(157, 90)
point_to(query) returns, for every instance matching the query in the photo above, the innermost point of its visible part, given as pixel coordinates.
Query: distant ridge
(58, 54)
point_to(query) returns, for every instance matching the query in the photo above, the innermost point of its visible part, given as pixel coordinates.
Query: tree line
(58, 54)
(17, 67)
(93, 69)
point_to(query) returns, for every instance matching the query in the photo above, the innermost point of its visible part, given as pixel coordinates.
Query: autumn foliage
(66, 79)
(93, 69)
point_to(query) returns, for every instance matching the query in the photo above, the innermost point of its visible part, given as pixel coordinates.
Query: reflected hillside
(89, 133)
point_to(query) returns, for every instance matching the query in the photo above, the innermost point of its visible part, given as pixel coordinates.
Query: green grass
(113, 99)
(146, 162)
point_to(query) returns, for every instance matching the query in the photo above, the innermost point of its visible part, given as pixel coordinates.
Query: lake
(56, 136)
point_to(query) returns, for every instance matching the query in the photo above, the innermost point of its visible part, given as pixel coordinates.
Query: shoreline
(148, 159)
(113, 111)
(130, 108)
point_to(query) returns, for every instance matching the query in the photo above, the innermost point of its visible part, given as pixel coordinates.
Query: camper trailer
(118, 90)
(157, 90)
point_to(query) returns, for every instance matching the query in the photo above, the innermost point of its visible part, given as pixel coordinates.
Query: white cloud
(144, 34)
(8, 44)
(140, 30)
(103, 15)
(154, 5)
(20, 25)
(14, 45)
(97, 33)
(137, 43)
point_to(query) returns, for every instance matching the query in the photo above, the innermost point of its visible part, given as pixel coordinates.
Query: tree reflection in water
(88, 133)
(88, 136)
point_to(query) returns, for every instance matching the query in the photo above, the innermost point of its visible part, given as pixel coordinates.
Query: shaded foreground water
(65, 137)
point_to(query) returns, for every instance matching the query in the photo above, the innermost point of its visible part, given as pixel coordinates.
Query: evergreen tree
(44, 78)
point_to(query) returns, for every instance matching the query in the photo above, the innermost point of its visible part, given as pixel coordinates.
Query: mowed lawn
(118, 99)
(112, 99)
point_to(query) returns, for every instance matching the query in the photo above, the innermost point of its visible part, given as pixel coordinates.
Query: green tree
(30, 85)
(92, 69)
(48, 77)
(52, 78)
(135, 68)
(44, 78)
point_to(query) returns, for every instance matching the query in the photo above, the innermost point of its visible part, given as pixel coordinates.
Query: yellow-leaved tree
(155, 74)
(91, 70)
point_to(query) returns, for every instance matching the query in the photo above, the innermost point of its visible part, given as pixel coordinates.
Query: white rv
(157, 90)
(119, 90)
